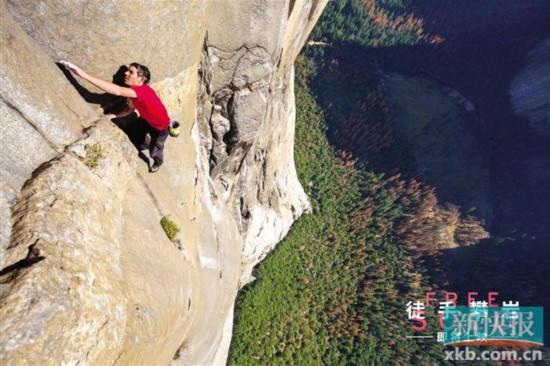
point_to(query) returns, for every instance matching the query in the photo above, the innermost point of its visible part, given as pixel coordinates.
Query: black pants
(147, 137)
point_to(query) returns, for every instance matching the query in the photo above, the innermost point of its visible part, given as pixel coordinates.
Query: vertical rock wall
(87, 276)
(101, 35)
(36, 121)
(246, 116)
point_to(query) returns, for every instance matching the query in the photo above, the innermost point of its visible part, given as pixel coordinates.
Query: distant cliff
(530, 89)
(87, 274)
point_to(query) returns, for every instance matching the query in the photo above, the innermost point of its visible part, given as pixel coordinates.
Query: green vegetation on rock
(170, 228)
(94, 154)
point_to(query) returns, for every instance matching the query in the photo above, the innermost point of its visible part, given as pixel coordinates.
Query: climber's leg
(156, 148)
(142, 140)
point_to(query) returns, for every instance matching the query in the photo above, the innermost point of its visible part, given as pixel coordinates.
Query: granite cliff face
(87, 275)
(246, 116)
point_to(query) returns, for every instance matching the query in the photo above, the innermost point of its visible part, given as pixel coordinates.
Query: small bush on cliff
(94, 154)
(170, 228)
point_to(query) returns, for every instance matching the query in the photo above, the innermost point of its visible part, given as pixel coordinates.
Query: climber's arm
(110, 87)
(125, 112)
(101, 84)
(120, 114)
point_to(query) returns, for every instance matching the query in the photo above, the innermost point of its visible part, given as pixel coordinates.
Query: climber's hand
(73, 68)
(110, 116)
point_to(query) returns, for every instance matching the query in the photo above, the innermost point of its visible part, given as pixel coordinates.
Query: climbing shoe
(154, 168)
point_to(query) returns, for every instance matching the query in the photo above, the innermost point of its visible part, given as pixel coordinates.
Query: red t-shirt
(150, 107)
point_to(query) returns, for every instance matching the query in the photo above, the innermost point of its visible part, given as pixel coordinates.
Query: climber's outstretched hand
(73, 68)
(101, 84)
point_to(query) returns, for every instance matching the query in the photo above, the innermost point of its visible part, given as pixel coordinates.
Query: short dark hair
(142, 70)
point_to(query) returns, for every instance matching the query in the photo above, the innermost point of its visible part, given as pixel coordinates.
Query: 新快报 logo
(500, 326)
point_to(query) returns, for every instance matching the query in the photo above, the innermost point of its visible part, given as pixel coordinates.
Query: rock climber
(154, 122)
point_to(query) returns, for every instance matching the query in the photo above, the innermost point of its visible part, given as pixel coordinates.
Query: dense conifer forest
(335, 289)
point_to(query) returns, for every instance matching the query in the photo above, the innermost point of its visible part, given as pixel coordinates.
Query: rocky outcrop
(429, 116)
(90, 277)
(246, 116)
(101, 35)
(36, 122)
(530, 89)
(87, 276)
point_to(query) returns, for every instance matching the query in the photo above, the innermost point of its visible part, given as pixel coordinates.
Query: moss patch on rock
(170, 227)
(94, 154)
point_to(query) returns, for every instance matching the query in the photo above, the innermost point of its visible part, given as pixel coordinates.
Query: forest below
(400, 169)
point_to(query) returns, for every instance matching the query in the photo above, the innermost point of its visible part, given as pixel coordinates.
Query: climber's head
(137, 75)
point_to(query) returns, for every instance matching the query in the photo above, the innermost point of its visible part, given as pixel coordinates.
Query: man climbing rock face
(154, 122)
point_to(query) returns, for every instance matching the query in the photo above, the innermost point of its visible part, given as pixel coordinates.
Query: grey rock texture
(244, 24)
(101, 35)
(90, 277)
(40, 113)
(56, 280)
(248, 81)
